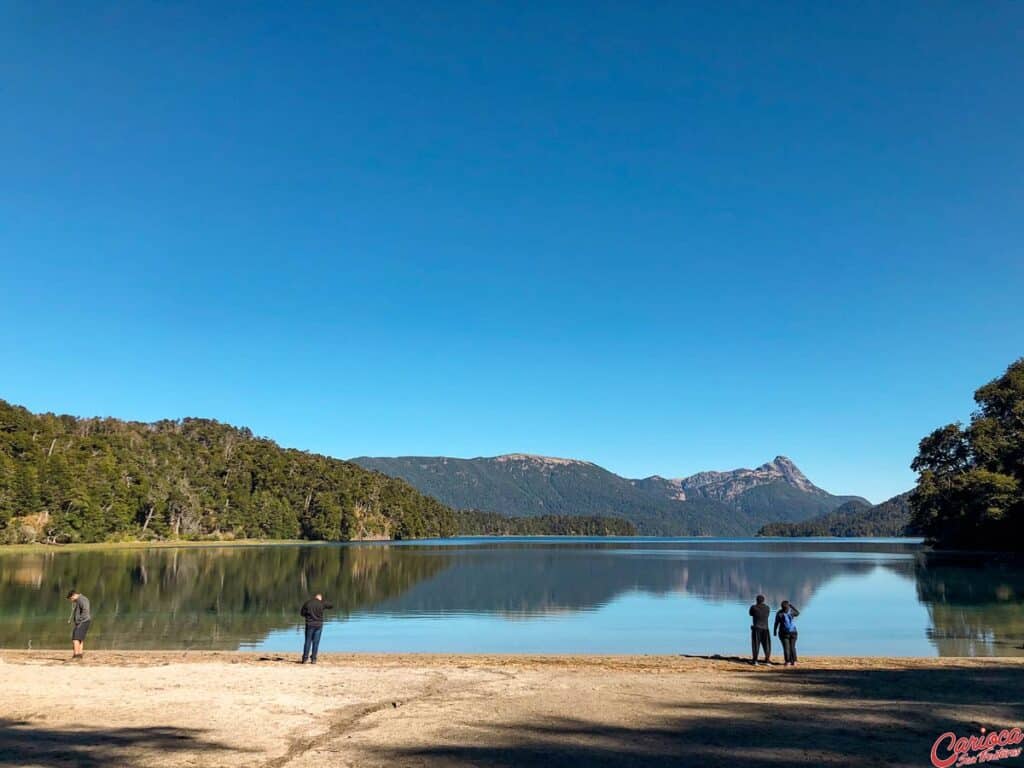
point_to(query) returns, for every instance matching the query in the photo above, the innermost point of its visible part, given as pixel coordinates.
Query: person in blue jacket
(785, 629)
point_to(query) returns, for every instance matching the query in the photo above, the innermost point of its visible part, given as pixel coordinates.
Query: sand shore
(258, 709)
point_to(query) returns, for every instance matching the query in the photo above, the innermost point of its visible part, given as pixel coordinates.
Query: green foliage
(476, 523)
(64, 479)
(854, 518)
(970, 490)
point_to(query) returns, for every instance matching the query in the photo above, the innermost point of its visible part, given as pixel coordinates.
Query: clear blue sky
(661, 236)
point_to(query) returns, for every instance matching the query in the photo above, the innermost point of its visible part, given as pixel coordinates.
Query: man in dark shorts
(81, 617)
(760, 634)
(313, 612)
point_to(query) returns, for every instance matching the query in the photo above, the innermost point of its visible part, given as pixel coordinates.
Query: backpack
(788, 623)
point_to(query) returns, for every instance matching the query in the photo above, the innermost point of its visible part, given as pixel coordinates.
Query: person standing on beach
(81, 617)
(785, 628)
(313, 612)
(760, 637)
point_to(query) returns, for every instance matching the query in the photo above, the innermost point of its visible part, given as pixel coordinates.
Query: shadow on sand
(27, 744)
(801, 717)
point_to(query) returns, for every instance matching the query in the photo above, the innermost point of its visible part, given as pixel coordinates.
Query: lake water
(530, 595)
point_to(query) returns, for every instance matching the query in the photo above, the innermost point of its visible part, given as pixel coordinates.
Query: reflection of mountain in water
(194, 597)
(976, 603)
(226, 597)
(533, 579)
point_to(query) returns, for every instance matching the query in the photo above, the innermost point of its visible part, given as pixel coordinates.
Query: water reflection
(974, 602)
(644, 596)
(528, 578)
(216, 598)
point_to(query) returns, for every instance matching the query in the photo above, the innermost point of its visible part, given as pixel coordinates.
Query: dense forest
(66, 479)
(475, 523)
(854, 518)
(970, 490)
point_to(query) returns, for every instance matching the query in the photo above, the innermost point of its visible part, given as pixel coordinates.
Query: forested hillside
(66, 479)
(521, 485)
(475, 523)
(854, 518)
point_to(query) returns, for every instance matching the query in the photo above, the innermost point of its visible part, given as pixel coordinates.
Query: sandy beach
(257, 709)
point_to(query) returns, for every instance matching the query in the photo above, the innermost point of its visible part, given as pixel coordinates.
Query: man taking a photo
(313, 612)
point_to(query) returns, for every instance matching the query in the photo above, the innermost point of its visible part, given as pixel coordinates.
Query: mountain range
(67, 479)
(733, 503)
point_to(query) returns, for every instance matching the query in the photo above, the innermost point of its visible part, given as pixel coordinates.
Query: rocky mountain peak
(726, 486)
(788, 471)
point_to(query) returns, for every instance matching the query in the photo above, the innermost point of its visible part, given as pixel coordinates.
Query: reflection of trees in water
(194, 597)
(976, 602)
(220, 598)
(533, 580)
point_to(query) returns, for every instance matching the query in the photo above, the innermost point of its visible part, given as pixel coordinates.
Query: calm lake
(530, 595)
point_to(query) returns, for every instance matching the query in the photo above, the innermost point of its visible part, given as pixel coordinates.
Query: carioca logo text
(949, 750)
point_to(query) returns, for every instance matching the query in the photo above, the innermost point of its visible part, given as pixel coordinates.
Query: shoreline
(234, 709)
(39, 548)
(681, 662)
(102, 546)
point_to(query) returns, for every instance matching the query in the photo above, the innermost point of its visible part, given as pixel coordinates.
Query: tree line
(67, 479)
(970, 489)
(477, 523)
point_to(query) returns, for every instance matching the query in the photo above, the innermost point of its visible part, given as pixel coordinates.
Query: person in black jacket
(313, 612)
(759, 635)
(785, 628)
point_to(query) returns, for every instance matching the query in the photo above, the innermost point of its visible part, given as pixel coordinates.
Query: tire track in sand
(344, 721)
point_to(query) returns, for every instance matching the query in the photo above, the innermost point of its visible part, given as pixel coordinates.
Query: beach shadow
(23, 743)
(742, 660)
(795, 718)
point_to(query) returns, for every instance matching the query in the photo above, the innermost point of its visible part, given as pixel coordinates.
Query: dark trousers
(312, 642)
(788, 647)
(760, 638)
